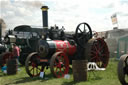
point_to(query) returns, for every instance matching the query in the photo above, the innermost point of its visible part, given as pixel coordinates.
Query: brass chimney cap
(44, 8)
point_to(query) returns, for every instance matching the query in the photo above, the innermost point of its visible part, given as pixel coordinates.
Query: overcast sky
(67, 13)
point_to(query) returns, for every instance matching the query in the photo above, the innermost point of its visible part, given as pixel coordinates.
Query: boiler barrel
(48, 48)
(65, 46)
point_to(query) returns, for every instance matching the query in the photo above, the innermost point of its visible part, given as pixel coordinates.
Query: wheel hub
(33, 65)
(60, 65)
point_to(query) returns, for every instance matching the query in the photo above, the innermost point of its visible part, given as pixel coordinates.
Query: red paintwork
(65, 47)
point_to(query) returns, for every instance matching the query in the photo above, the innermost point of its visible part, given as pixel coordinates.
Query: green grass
(107, 77)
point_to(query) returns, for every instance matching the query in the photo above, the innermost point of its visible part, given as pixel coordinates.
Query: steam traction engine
(23, 36)
(56, 49)
(123, 69)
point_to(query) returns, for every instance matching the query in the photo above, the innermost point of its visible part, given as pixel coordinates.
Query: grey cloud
(111, 5)
(33, 4)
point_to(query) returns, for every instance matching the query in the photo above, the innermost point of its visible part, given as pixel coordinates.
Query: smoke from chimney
(3, 26)
(3, 23)
(34, 4)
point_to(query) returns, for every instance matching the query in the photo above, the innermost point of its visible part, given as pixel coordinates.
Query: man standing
(16, 51)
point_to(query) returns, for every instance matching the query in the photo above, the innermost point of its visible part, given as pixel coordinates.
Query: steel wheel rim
(32, 68)
(121, 71)
(100, 53)
(59, 65)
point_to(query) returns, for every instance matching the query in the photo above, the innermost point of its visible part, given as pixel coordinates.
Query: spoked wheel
(123, 69)
(83, 34)
(97, 51)
(32, 67)
(59, 64)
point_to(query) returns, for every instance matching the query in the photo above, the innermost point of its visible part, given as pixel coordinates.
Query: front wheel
(59, 64)
(32, 67)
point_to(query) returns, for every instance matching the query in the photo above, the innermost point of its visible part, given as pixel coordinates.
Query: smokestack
(45, 16)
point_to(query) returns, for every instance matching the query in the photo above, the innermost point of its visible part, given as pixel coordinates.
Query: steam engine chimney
(45, 16)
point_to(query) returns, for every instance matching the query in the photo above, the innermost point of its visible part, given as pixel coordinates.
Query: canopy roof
(27, 28)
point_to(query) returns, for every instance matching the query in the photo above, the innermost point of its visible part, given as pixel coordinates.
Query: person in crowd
(16, 51)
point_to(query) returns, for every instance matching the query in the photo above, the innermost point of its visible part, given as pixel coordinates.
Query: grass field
(107, 77)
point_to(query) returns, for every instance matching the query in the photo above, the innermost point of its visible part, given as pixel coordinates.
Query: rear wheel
(97, 51)
(59, 64)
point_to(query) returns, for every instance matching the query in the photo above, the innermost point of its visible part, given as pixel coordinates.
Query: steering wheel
(83, 34)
